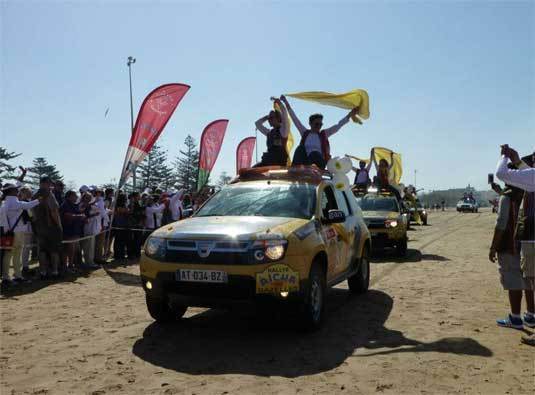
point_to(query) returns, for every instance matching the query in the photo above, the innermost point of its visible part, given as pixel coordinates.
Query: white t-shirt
(313, 143)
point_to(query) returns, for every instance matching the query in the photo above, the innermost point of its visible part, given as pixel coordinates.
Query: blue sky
(448, 81)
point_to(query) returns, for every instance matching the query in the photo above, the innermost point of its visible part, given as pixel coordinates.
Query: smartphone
(490, 178)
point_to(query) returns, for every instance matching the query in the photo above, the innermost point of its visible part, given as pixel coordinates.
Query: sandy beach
(427, 326)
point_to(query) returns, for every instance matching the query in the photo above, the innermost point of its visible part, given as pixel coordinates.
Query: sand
(427, 325)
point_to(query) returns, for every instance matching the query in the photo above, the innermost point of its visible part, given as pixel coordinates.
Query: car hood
(380, 214)
(239, 227)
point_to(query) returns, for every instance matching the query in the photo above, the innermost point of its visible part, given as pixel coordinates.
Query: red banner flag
(211, 141)
(244, 153)
(155, 112)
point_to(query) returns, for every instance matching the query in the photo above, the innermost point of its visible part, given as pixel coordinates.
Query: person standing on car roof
(314, 148)
(277, 136)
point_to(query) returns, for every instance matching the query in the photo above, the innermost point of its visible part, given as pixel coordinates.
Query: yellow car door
(332, 234)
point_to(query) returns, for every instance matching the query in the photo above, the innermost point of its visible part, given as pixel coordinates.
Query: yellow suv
(386, 219)
(273, 233)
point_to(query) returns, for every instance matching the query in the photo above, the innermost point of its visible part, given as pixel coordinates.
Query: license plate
(201, 276)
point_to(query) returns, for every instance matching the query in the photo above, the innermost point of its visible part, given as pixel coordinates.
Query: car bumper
(238, 290)
(241, 285)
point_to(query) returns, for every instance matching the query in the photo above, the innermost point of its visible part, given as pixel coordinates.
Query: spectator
(136, 223)
(104, 222)
(12, 220)
(48, 228)
(73, 226)
(505, 247)
(166, 215)
(153, 213)
(522, 177)
(25, 195)
(176, 205)
(120, 228)
(59, 191)
(92, 227)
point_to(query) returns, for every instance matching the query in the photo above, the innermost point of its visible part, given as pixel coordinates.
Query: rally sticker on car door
(277, 278)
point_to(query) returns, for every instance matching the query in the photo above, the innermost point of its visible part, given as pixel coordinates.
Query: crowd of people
(72, 231)
(513, 242)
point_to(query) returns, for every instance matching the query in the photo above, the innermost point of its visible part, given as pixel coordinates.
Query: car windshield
(266, 200)
(377, 203)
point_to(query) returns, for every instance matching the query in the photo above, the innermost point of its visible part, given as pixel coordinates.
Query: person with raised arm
(277, 136)
(314, 148)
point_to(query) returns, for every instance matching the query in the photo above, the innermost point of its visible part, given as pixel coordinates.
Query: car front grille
(217, 252)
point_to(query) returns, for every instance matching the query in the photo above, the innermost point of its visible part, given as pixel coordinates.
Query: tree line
(157, 170)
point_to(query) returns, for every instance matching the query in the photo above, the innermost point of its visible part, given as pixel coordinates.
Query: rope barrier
(85, 237)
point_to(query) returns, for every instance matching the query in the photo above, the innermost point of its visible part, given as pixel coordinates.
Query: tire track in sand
(451, 227)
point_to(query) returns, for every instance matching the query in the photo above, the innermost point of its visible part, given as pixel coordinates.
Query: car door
(329, 233)
(345, 231)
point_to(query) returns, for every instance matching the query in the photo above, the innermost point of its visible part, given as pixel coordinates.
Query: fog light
(148, 284)
(284, 294)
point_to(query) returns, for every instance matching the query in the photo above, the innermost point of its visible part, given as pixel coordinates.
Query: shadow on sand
(413, 255)
(223, 342)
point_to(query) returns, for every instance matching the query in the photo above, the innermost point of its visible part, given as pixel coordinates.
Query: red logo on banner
(244, 153)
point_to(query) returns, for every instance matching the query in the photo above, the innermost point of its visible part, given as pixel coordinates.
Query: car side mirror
(335, 217)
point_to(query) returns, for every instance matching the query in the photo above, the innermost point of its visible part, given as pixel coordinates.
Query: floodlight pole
(131, 60)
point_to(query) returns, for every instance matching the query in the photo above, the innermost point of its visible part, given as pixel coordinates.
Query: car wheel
(162, 311)
(360, 281)
(313, 302)
(401, 248)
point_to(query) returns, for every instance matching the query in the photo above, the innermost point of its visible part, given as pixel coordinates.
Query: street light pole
(415, 171)
(131, 60)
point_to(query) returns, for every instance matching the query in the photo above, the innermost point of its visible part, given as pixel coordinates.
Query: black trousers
(135, 240)
(120, 242)
(302, 158)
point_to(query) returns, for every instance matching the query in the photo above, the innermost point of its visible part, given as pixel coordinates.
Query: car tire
(161, 310)
(359, 283)
(312, 304)
(401, 248)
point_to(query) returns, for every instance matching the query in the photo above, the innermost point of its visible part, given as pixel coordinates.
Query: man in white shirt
(523, 177)
(11, 220)
(175, 204)
(314, 147)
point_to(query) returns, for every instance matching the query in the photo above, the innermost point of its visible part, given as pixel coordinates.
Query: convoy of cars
(272, 235)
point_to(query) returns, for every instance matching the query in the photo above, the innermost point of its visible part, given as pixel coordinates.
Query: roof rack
(310, 174)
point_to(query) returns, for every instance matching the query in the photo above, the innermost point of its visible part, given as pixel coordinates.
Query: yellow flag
(397, 170)
(349, 100)
(290, 139)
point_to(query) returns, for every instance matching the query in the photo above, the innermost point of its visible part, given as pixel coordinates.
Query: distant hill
(452, 196)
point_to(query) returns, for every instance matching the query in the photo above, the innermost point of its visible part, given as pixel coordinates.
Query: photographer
(523, 177)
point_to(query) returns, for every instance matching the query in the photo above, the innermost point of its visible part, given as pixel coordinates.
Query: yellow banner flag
(290, 139)
(349, 100)
(397, 170)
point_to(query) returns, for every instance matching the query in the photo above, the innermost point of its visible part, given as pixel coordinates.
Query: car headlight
(269, 250)
(391, 224)
(155, 247)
